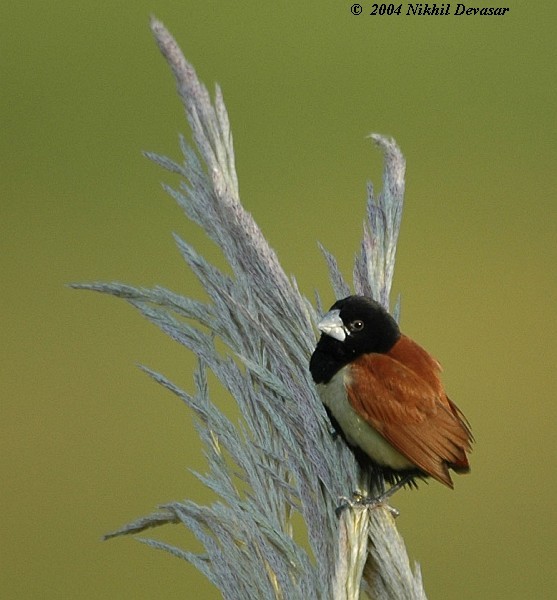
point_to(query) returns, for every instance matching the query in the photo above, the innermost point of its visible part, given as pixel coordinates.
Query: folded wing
(405, 402)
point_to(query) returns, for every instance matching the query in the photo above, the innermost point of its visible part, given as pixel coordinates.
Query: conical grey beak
(331, 324)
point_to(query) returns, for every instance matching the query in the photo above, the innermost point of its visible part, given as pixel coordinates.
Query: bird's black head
(353, 326)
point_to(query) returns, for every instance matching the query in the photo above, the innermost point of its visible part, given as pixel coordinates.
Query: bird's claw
(358, 500)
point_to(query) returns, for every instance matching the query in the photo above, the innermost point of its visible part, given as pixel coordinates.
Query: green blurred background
(89, 443)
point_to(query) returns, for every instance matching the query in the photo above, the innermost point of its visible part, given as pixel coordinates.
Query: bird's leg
(381, 500)
(385, 495)
(377, 481)
(335, 429)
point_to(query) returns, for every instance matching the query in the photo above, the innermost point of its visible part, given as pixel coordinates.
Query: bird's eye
(356, 325)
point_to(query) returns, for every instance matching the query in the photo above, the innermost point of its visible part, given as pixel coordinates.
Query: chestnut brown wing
(413, 415)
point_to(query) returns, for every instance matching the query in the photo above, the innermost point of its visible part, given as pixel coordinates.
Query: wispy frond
(281, 459)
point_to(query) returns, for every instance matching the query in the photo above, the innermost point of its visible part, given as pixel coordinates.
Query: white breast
(356, 430)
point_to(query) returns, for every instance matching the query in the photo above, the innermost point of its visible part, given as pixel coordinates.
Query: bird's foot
(358, 500)
(334, 433)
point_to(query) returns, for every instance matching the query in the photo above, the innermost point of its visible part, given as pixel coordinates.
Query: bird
(384, 396)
